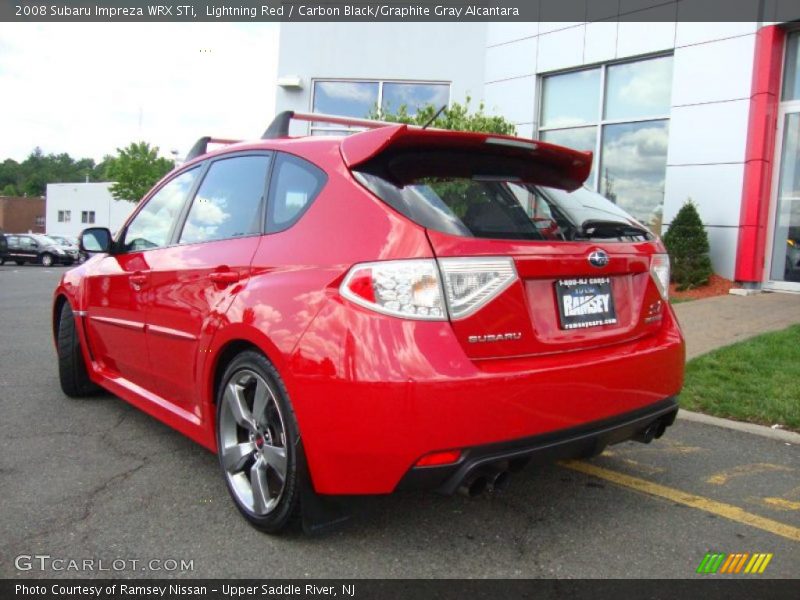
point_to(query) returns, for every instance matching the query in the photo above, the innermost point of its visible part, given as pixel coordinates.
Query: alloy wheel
(252, 438)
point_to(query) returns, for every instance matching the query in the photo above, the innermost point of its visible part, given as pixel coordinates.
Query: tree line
(134, 168)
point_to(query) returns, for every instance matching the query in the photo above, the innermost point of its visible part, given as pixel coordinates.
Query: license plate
(585, 302)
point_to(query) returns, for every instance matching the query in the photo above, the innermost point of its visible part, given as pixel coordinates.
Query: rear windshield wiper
(612, 229)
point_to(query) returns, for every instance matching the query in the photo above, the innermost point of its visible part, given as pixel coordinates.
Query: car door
(117, 286)
(194, 280)
(12, 248)
(26, 249)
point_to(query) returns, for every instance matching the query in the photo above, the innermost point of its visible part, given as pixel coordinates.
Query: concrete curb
(782, 435)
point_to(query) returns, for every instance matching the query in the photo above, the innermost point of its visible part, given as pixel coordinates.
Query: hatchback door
(193, 281)
(531, 262)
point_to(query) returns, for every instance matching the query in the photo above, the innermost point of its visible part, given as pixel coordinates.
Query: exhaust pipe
(474, 485)
(498, 480)
(646, 435)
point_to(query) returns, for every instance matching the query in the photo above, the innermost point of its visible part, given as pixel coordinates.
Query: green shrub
(687, 244)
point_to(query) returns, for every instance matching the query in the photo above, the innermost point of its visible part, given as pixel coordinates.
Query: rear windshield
(473, 195)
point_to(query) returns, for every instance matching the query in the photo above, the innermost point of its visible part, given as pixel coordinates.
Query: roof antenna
(433, 118)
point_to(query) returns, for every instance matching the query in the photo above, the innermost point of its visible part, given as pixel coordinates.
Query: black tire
(287, 509)
(20, 262)
(47, 259)
(72, 373)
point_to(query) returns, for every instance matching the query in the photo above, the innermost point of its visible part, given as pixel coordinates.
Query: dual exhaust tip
(495, 478)
(492, 479)
(652, 432)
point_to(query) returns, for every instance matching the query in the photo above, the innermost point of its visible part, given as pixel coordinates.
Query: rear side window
(228, 203)
(152, 225)
(295, 185)
(477, 195)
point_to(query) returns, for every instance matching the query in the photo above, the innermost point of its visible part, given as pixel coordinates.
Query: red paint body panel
(396, 390)
(760, 153)
(372, 393)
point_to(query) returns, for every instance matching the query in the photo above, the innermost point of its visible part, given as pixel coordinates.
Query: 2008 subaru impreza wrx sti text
(400, 308)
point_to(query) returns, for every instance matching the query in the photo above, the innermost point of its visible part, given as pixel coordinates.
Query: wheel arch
(58, 305)
(223, 358)
(227, 345)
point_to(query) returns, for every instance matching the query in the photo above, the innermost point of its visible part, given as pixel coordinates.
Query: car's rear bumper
(373, 395)
(578, 442)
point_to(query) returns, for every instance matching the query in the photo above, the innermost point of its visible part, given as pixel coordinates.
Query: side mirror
(96, 239)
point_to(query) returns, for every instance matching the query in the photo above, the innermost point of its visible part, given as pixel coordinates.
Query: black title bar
(67, 11)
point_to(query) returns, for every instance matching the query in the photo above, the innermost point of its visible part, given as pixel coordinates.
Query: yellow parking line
(782, 504)
(734, 513)
(723, 477)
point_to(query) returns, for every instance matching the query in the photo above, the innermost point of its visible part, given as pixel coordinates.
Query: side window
(228, 203)
(150, 228)
(13, 241)
(295, 184)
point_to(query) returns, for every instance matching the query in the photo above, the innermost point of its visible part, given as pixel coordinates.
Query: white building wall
(712, 74)
(452, 52)
(78, 197)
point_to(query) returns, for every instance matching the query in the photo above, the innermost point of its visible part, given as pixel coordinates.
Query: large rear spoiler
(545, 164)
(530, 160)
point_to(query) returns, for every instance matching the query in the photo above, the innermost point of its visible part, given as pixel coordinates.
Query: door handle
(137, 280)
(224, 277)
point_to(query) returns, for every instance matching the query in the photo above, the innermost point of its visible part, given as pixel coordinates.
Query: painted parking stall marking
(722, 509)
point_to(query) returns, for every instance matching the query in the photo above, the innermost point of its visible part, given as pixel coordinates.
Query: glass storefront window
(345, 98)
(571, 99)
(413, 96)
(633, 163)
(638, 89)
(791, 69)
(621, 113)
(361, 99)
(786, 249)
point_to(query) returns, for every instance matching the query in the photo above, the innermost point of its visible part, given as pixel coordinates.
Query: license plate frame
(585, 302)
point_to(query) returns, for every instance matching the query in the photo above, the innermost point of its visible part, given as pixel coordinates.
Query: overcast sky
(87, 89)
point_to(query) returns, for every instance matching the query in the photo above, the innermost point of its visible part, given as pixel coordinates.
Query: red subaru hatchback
(400, 308)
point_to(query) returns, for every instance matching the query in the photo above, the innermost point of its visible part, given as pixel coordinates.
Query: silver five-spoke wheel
(252, 437)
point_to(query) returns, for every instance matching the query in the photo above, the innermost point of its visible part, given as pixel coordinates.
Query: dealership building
(673, 111)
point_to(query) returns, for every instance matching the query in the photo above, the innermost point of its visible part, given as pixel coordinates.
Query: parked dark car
(70, 243)
(36, 248)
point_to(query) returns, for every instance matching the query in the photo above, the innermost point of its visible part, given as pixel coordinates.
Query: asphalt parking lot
(98, 479)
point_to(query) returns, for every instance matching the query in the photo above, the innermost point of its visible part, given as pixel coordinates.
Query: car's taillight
(403, 288)
(414, 289)
(659, 270)
(469, 283)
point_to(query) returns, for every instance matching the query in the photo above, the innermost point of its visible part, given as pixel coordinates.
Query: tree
(456, 117)
(687, 244)
(135, 170)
